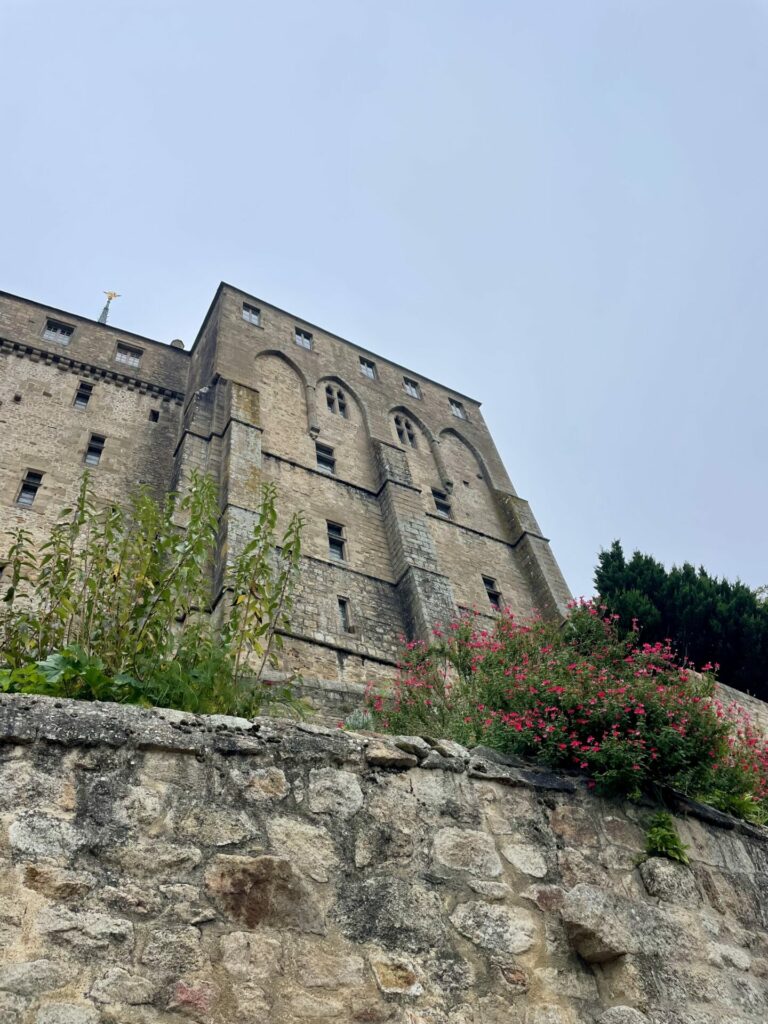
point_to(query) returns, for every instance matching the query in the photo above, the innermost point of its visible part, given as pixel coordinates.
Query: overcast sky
(556, 207)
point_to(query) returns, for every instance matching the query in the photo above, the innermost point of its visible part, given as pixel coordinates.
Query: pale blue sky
(556, 207)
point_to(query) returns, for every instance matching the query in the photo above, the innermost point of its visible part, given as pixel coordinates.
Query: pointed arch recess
(471, 448)
(332, 378)
(308, 392)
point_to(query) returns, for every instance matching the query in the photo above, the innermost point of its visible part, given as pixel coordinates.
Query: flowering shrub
(579, 696)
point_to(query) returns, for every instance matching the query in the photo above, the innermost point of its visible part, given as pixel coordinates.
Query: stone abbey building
(410, 514)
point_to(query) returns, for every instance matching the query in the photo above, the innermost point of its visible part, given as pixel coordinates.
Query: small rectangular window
(458, 409)
(94, 450)
(493, 592)
(30, 485)
(83, 394)
(303, 338)
(345, 620)
(367, 368)
(252, 314)
(58, 332)
(128, 355)
(442, 504)
(154, 415)
(412, 387)
(326, 460)
(336, 542)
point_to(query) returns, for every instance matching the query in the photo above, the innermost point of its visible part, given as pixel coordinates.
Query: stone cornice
(77, 366)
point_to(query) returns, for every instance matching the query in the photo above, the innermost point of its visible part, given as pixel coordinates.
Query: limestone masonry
(410, 513)
(158, 868)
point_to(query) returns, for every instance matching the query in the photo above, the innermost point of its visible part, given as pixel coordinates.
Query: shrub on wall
(113, 606)
(580, 696)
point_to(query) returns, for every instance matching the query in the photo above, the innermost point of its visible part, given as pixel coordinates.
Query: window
(252, 314)
(412, 387)
(154, 415)
(128, 355)
(336, 400)
(30, 485)
(83, 394)
(344, 619)
(58, 332)
(367, 368)
(405, 431)
(442, 504)
(94, 450)
(336, 542)
(303, 338)
(458, 409)
(326, 460)
(493, 592)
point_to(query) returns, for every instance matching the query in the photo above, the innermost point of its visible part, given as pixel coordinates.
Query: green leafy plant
(115, 605)
(662, 839)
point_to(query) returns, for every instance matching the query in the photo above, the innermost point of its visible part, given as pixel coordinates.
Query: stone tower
(410, 514)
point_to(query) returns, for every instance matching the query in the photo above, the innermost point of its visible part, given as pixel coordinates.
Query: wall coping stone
(28, 719)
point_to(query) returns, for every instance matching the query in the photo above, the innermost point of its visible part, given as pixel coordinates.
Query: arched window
(405, 431)
(336, 400)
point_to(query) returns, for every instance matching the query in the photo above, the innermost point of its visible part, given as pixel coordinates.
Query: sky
(557, 207)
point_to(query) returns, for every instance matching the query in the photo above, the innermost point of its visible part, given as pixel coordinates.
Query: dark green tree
(708, 619)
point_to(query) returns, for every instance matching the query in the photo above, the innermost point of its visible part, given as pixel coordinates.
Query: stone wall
(247, 404)
(161, 868)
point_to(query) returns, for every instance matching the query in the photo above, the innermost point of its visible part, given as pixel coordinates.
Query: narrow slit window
(442, 504)
(458, 409)
(493, 592)
(326, 460)
(303, 338)
(83, 394)
(336, 401)
(94, 450)
(252, 314)
(128, 354)
(368, 369)
(412, 387)
(345, 620)
(58, 332)
(154, 415)
(30, 485)
(405, 432)
(336, 542)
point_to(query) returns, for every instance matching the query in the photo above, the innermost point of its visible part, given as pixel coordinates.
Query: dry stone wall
(160, 868)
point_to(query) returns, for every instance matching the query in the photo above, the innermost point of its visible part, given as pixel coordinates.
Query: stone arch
(286, 359)
(350, 437)
(284, 406)
(424, 461)
(474, 501)
(452, 431)
(443, 478)
(332, 378)
(405, 410)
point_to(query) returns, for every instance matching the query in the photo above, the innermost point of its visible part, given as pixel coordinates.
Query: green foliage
(578, 696)
(740, 805)
(114, 606)
(662, 839)
(707, 619)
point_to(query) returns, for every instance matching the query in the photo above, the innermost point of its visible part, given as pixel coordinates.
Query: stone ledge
(26, 719)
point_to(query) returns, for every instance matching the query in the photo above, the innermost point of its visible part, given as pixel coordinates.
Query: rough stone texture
(159, 868)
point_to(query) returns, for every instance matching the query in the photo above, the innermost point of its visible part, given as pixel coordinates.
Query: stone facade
(249, 404)
(160, 868)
